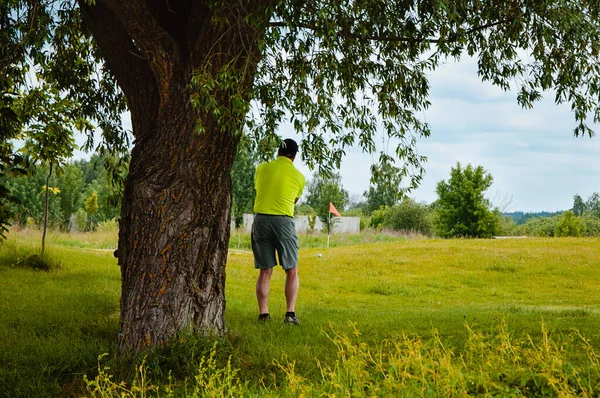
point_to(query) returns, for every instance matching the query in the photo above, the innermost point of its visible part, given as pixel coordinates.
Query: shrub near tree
(462, 209)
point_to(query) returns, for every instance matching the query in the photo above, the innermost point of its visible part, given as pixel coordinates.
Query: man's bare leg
(292, 283)
(263, 285)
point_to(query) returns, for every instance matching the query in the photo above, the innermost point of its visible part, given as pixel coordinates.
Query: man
(278, 185)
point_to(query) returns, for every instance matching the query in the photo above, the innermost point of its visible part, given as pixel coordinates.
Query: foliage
(540, 226)
(569, 225)
(29, 191)
(461, 209)
(407, 365)
(242, 179)
(563, 224)
(329, 65)
(578, 205)
(71, 185)
(322, 190)
(47, 117)
(377, 216)
(384, 187)
(366, 59)
(48, 126)
(591, 225)
(81, 220)
(91, 207)
(520, 217)
(108, 226)
(408, 216)
(78, 181)
(9, 167)
(12, 74)
(592, 204)
(304, 209)
(508, 226)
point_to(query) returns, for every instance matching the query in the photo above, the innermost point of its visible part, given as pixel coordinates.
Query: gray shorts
(274, 233)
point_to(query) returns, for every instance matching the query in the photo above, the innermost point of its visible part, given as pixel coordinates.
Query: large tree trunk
(174, 232)
(175, 217)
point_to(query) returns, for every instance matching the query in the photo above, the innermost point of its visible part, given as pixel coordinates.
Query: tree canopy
(346, 68)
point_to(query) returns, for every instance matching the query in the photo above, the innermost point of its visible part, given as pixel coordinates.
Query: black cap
(288, 147)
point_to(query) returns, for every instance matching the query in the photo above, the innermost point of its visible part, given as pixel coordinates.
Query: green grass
(427, 317)
(53, 325)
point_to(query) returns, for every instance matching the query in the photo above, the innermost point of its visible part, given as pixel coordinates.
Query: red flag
(333, 210)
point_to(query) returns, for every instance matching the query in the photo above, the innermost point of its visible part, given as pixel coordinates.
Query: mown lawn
(54, 325)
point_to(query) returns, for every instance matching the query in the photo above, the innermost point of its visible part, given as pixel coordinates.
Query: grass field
(404, 317)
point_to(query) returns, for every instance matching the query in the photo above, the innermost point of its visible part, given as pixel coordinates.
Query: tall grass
(412, 317)
(494, 364)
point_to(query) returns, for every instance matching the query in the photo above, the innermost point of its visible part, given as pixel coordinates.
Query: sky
(536, 162)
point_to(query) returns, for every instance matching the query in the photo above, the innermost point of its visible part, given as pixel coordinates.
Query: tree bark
(175, 215)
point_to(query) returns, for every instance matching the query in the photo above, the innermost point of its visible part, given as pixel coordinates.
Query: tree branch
(342, 33)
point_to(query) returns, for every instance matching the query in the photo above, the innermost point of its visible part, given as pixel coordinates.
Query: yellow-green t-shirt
(278, 184)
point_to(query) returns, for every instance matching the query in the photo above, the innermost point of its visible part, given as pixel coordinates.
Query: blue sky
(536, 162)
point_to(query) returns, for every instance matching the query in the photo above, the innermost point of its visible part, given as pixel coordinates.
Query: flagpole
(328, 228)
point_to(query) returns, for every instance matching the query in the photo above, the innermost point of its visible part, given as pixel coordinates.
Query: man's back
(278, 184)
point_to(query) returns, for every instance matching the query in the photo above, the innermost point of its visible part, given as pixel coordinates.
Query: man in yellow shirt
(278, 186)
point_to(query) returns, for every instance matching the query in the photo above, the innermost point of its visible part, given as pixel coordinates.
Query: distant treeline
(84, 194)
(520, 217)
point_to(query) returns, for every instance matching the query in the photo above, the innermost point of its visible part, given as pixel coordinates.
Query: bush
(377, 216)
(408, 216)
(569, 225)
(591, 224)
(539, 226)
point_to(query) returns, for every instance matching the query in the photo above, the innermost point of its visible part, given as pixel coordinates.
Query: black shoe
(291, 319)
(264, 317)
